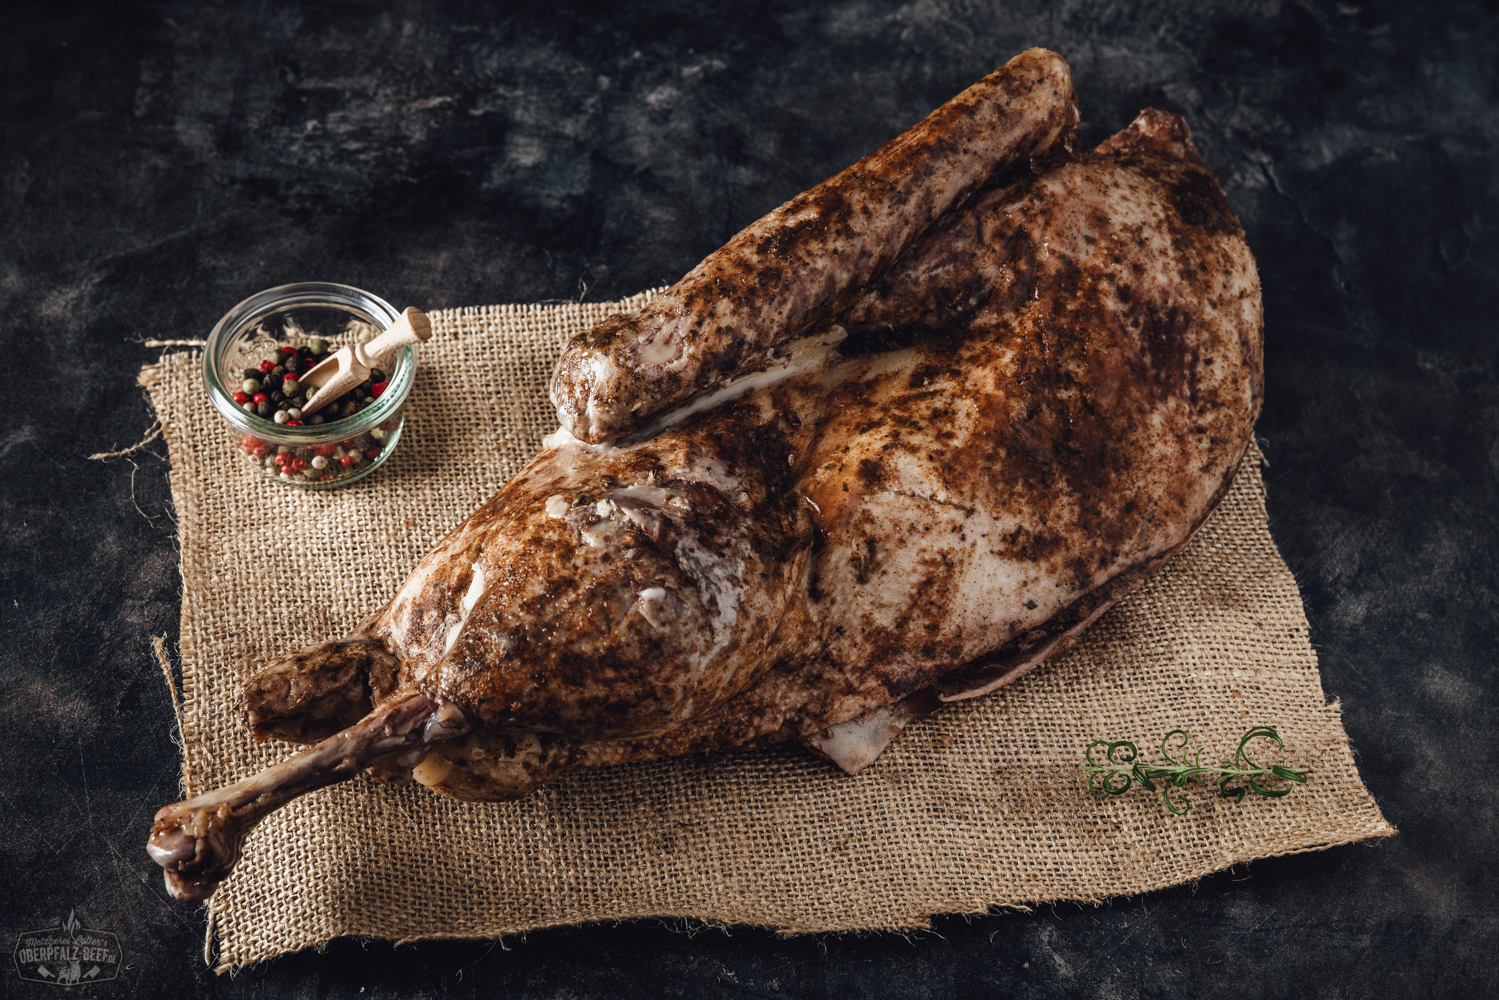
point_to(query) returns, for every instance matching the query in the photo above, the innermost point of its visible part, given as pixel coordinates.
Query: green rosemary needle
(1235, 778)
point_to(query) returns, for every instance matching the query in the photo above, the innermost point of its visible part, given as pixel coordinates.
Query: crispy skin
(1032, 410)
(946, 491)
(803, 264)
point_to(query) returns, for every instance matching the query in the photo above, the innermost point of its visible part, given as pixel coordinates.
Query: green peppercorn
(250, 385)
(319, 346)
(291, 386)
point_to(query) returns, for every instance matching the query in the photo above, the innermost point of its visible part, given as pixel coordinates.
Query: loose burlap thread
(978, 807)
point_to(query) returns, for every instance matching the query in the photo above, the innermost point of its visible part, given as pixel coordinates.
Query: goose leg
(197, 842)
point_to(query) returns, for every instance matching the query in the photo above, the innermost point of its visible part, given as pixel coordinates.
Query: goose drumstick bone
(197, 842)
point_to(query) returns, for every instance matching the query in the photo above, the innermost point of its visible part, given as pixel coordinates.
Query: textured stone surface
(160, 161)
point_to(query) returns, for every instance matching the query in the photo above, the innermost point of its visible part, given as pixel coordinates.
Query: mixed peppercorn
(273, 391)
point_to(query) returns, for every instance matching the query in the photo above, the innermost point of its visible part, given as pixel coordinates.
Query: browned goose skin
(916, 506)
(802, 265)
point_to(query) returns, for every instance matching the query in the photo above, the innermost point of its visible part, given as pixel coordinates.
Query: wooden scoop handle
(347, 367)
(411, 328)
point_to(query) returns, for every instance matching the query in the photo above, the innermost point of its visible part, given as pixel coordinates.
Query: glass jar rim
(306, 294)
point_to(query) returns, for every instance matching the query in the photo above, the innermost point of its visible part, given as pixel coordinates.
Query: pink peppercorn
(259, 398)
(298, 464)
(282, 460)
(294, 423)
(378, 388)
(252, 445)
(371, 453)
(266, 366)
(347, 461)
(241, 398)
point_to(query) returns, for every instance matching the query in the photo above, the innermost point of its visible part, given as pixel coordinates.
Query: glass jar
(340, 450)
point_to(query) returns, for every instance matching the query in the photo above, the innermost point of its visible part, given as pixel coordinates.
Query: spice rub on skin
(802, 265)
(917, 513)
(947, 497)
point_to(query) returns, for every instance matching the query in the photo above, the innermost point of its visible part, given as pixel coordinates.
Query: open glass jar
(352, 440)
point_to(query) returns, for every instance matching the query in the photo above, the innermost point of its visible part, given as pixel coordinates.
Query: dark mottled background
(160, 161)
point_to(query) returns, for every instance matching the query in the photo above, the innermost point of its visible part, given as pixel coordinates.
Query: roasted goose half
(945, 461)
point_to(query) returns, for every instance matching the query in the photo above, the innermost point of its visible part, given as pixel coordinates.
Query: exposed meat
(803, 264)
(1001, 435)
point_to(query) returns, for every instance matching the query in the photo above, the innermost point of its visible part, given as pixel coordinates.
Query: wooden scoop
(348, 366)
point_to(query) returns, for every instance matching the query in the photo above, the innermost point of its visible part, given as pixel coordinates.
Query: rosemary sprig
(1235, 778)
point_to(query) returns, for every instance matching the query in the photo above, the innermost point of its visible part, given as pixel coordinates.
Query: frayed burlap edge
(976, 809)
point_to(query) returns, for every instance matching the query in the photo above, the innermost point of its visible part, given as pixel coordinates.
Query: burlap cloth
(975, 808)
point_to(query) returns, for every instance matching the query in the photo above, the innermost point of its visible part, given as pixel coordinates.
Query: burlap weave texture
(977, 807)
